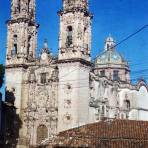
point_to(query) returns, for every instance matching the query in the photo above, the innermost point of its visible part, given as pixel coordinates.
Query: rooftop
(108, 134)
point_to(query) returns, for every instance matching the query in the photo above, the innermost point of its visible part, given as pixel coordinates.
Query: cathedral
(56, 93)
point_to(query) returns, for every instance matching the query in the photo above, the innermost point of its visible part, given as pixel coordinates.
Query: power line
(139, 63)
(133, 34)
(130, 36)
(139, 71)
(81, 86)
(87, 79)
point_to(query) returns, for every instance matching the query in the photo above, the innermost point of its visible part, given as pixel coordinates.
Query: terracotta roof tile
(114, 134)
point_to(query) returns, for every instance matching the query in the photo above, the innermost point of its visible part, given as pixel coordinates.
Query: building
(104, 134)
(52, 94)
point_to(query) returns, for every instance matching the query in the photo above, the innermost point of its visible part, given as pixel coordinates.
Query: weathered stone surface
(54, 94)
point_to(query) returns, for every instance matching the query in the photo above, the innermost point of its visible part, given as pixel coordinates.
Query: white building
(53, 94)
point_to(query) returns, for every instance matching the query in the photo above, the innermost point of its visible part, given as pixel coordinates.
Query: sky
(119, 18)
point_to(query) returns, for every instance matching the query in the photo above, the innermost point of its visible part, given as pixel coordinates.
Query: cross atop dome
(109, 43)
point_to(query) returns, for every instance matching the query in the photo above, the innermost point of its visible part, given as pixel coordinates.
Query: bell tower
(74, 64)
(22, 32)
(21, 45)
(23, 9)
(75, 30)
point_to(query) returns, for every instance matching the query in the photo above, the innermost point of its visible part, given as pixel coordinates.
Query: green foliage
(2, 72)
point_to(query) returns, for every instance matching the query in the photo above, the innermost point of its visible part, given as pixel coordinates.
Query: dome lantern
(109, 43)
(111, 64)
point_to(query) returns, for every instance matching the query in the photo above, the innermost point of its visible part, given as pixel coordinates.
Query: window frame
(102, 73)
(116, 75)
(43, 78)
(69, 40)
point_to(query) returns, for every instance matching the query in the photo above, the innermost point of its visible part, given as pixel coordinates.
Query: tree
(2, 72)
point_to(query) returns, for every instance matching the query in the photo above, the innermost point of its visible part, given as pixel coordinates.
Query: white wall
(142, 103)
(14, 79)
(77, 76)
(139, 102)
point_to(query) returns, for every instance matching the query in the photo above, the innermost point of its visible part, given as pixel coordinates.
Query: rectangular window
(102, 73)
(69, 36)
(13, 52)
(116, 75)
(43, 78)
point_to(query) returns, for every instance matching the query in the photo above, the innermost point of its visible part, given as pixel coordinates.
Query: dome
(110, 55)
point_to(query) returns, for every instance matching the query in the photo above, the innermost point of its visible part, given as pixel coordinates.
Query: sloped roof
(104, 134)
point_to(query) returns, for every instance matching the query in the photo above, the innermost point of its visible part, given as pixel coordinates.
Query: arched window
(14, 50)
(32, 76)
(116, 75)
(42, 133)
(108, 47)
(19, 5)
(102, 73)
(103, 110)
(29, 45)
(69, 36)
(43, 78)
(122, 116)
(29, 3)
(127, 104)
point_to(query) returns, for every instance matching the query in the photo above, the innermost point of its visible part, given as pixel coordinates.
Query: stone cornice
(113, 66)
(17, 66)
(82, 61)
(77, 9)
(25, 20)
(120, 84)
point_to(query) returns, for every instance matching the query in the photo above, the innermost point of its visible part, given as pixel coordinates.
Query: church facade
(53, 94)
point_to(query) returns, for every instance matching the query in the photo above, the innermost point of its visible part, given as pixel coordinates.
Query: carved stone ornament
(67, 118)
(68, 88)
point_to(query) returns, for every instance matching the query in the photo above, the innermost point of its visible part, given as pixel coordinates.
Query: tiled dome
(110, 55)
